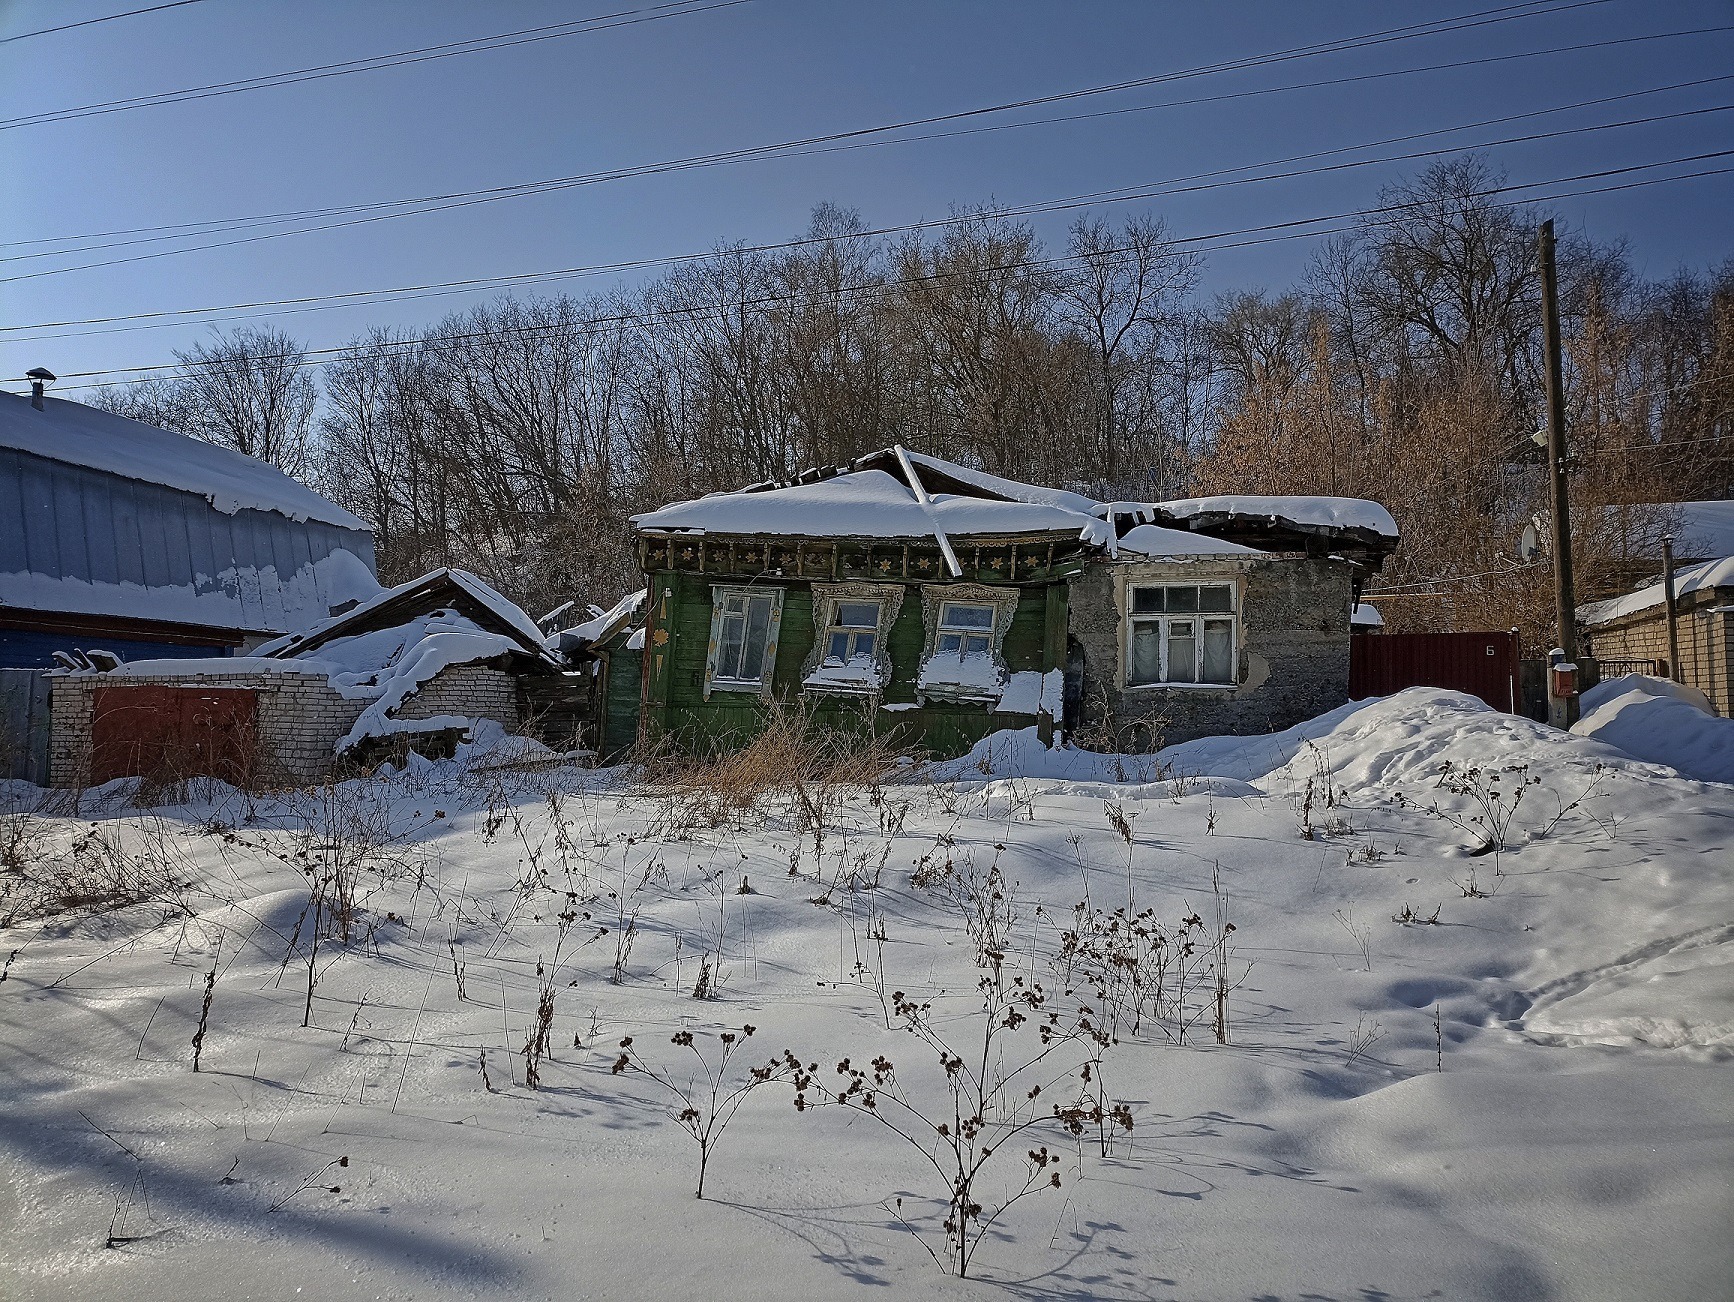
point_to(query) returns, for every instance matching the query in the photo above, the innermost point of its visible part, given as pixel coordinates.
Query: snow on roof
(1709, 575)
(1154, 540)
(862, 504)
(505, 612)
(1011, 489)
(1365, 616)
(230, 481)
(1706, 528)
(1313, 512)
(597, 627)
(253, 599)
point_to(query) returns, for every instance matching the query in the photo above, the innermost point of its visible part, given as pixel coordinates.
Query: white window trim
(1131, 621)
(719, 595)
(826, 598)
(1004, 601)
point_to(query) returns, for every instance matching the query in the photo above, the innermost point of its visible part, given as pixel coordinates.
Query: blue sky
(758, 73)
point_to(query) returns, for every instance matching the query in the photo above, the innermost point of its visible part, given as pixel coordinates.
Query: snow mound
(1662, 722)
(1393, 742)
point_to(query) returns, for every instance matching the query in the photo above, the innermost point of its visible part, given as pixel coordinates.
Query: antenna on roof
(38, 376)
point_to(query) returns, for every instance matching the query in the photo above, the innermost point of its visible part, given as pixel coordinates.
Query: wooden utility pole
(1673, 618)
(1564, 597)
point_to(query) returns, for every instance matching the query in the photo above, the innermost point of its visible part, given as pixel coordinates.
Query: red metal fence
(1481, 664)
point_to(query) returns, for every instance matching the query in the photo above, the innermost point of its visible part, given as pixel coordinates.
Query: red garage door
(1481, 664)
(169, 733)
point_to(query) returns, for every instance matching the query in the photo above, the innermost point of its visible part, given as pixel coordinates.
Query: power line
(91, 22)
(1269, 233)
(831, 143)
(1148, 190)
(374, 63)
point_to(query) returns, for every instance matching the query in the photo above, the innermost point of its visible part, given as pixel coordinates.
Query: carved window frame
(1003, 599)
(826, 598)
(719, 596)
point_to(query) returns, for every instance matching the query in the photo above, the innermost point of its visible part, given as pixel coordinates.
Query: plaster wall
(1292, 649)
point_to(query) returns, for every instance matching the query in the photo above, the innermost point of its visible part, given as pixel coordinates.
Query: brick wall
(300, 719)
(469, 691)
(1706, 643)
(301, 716)
(1292, 645)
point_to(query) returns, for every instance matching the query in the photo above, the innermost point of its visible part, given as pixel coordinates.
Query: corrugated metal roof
(78, 539)
(230, 481)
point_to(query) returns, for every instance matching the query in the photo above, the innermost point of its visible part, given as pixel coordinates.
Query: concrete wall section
(1292, 649)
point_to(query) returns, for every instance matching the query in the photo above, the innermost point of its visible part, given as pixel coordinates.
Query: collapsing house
(945, 604)
(417, 667)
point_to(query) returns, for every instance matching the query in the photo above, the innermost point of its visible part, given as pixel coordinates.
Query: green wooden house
(893, 589)
(938, 604)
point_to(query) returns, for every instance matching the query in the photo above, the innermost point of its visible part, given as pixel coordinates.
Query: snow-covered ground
(1453, 1068)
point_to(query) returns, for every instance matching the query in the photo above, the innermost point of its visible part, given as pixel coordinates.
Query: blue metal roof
(81, 540)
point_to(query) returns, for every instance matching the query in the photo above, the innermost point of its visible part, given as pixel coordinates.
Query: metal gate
(170, 733)
(24, 725)
(1481, 664)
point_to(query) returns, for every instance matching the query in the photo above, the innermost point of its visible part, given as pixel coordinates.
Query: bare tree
(249, 389)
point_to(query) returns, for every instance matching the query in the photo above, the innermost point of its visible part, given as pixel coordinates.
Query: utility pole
(1564, 598)
(1673, 617)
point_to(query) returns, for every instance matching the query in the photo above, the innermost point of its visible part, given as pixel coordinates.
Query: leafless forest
(515, 438)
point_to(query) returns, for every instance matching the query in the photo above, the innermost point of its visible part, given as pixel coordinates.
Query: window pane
(1147, 601)
(1218, 650)
(758, 633)
(1146, 652)
(950, 643)
(1184, 600)
(857, 614)
(839, 647)
(952, 615)
(975, 645)
(728, 650)
(1217, 597)
(864, 644)
(734, 605)
(1182, 650)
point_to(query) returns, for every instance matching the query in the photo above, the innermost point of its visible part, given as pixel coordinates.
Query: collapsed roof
(895, 493)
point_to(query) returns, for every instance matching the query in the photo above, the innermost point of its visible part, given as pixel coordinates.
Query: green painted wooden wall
(675, 701)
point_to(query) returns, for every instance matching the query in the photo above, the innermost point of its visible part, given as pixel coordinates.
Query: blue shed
(118, 535)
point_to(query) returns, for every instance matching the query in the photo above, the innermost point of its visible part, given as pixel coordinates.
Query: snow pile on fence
(1660, 721)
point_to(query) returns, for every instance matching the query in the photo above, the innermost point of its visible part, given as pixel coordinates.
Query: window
(1181, 633)
(966, 624)
(743, 637)
(964, 629)
(854, 632)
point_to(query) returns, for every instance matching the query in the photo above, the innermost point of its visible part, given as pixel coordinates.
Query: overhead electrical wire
(835, 142)
(374, 63)
(92, 22)
(1124, 194)
(1269, 233)
(1463, 22)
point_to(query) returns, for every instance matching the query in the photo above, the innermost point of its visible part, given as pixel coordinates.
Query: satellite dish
(1529, 543)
